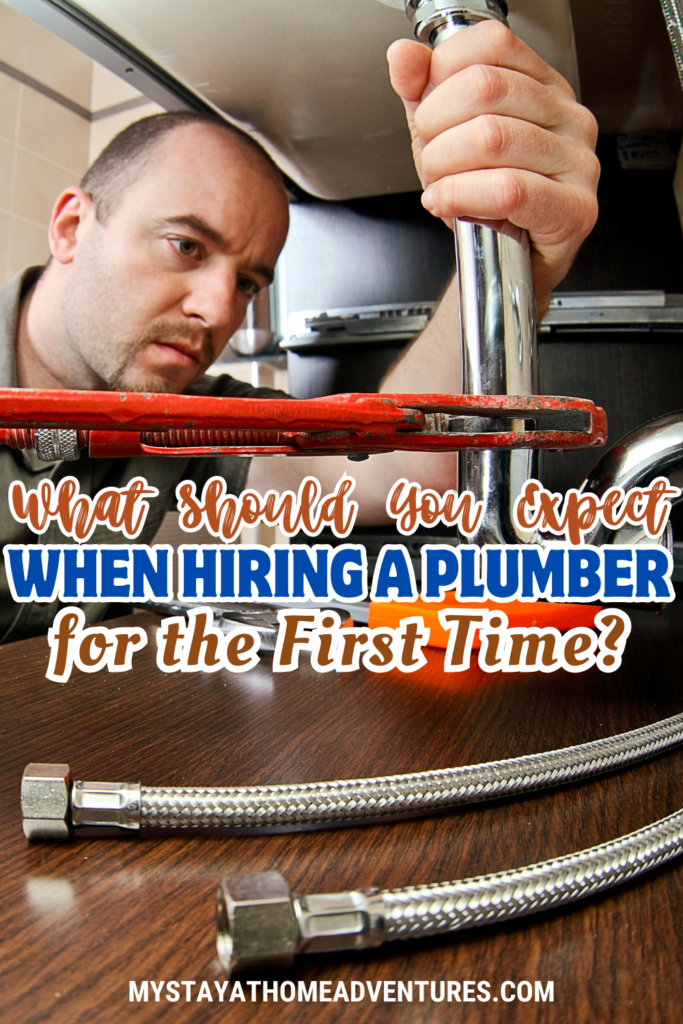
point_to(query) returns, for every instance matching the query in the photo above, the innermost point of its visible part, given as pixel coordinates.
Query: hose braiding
(418, 911)
(353, 800)
(673, 16)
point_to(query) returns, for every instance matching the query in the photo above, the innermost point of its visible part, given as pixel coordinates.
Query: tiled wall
(108, 95)
(57, 112)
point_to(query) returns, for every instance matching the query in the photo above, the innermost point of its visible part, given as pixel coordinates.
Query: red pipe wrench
(111, 424)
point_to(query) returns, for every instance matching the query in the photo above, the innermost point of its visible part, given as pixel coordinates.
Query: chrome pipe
(650, 451)
(498, 328)
(497, 313)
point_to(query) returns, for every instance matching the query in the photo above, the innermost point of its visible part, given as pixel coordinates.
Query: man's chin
(151, 365)
(157, 383)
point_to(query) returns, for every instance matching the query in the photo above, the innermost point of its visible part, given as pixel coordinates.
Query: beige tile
(53, 131)
(4, 231)
(108, 89)
(26, 246)
(37, 185)
(35, 51)
(9, 95)
(6, 159)
(103, 131)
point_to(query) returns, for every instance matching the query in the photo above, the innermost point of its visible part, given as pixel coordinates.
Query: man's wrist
(542, 304)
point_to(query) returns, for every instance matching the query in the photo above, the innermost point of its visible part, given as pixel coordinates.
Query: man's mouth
(180, 353)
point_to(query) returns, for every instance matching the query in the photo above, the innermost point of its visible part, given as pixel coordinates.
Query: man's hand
(499, 138)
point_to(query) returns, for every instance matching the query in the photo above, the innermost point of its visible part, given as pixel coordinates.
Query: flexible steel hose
(367, 918)
(319, 803)
(418, 911)
(673, 15)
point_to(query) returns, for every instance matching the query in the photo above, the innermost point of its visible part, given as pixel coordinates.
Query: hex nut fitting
(45, 801)
(255, 922)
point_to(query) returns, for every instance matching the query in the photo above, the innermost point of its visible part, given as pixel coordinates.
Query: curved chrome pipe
(655, 449)
(497, 313)
(498, 331)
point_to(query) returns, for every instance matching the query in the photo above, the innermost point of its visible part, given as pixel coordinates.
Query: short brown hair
(128, 153)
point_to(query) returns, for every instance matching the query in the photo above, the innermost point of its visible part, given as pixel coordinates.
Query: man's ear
(71, 217)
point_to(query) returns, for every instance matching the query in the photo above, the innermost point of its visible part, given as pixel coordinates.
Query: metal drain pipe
(497, 313)
(650, 451)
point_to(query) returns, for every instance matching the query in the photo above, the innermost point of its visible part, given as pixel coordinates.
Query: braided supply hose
(317, 804)
(673, 16)
(418, 911)
(249, 934)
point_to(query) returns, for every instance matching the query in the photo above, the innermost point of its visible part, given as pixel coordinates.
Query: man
(180, 223)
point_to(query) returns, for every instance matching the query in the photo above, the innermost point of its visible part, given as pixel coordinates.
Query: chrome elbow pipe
(498, 329)
(655, 449)
(497, 314)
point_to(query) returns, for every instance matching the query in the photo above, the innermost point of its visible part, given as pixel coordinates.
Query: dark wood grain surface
(79, 921)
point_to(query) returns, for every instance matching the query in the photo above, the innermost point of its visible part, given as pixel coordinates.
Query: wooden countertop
(81, 920)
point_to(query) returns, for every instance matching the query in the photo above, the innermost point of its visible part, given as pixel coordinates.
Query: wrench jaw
(46, 802)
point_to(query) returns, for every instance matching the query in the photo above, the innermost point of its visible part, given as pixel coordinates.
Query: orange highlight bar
(520, 613)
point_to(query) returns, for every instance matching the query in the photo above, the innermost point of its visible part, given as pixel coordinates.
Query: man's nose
(212, 299)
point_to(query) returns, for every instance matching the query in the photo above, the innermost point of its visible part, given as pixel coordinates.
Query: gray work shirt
(21, 620)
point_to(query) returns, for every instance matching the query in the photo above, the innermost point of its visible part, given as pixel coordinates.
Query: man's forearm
(433, 362)
(542, 178)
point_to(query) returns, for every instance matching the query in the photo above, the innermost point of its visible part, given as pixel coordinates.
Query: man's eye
(185, 246)
(246, 285)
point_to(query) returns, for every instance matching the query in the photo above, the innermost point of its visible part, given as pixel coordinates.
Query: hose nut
(255, 922)
(45, 800)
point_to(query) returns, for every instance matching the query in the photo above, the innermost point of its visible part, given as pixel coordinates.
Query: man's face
(154, 293)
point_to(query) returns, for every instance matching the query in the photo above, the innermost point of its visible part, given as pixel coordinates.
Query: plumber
(179, 223)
